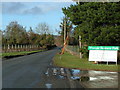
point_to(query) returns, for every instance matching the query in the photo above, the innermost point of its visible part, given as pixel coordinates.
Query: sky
(30, 14)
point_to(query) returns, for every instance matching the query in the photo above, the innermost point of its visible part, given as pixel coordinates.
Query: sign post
(103, 53)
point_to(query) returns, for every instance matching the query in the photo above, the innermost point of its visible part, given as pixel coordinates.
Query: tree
(42, 28)
(32, 36)
(50, 39)
(66, 27)
(15, 34)
(98, 23)
(46, 39)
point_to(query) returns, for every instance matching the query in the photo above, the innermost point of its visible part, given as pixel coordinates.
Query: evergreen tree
(98, 23)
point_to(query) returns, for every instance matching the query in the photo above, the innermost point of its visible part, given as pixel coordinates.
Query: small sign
(103, 47)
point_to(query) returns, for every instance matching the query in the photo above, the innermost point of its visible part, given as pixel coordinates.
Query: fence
(19, 48)
(75, 50)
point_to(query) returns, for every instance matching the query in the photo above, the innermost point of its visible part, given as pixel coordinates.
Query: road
(29, 72)
(26, 71)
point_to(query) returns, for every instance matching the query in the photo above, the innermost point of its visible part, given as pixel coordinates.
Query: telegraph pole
(64, 29)
(78, 2)
(80, 44)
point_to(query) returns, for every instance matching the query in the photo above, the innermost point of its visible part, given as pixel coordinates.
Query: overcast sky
(32, 13)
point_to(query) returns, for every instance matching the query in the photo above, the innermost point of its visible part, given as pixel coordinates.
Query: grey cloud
(22, 8)
(25, 8)
(12, 8)
(34, 10)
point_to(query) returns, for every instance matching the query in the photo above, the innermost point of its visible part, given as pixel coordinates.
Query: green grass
(19, 53)
(69, 61)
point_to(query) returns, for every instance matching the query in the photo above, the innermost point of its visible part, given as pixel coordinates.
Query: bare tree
(43, 28)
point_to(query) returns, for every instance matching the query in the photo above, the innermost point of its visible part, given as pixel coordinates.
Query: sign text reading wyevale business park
(103, 53)
(103, 47)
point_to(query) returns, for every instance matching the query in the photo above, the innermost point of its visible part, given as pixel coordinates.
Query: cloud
(36, 1)
(34, 10)
(26, 8)
(12, 8)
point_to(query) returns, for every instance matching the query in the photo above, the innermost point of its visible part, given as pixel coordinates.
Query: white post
(107, 62)
(15, 46)
(18, 46)
(97, 63)
(80, 45)
(8, 46)
(21, 46)
(12, 46)
(4, 47)
(26, 46)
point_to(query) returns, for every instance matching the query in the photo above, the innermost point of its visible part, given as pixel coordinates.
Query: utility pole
(64, 29)
(78, 2)
(80, 44)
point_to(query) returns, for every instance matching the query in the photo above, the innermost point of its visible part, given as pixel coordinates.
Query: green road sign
(103, 47)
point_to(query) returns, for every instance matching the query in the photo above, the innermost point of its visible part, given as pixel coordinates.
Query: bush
(84, 51)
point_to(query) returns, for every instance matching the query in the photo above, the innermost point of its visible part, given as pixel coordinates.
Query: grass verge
(12, 54)
(69, 61)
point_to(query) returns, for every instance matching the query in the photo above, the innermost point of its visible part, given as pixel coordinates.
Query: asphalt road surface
(30, 72)
(26, 71)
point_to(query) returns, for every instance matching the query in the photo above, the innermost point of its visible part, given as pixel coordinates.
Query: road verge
(70, 61)
(17, 54)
